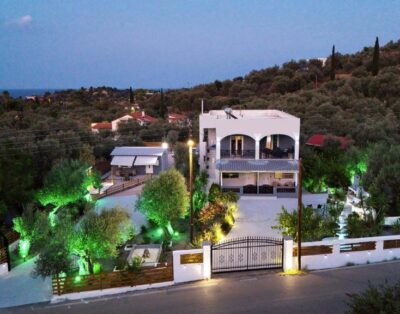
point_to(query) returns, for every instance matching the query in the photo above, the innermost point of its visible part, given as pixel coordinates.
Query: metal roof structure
(241, 165)
(138, 151)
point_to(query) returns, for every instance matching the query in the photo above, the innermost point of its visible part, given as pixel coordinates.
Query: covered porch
(259, 177)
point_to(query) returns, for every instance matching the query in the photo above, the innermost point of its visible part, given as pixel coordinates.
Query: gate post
(206, 260)
(287, 253)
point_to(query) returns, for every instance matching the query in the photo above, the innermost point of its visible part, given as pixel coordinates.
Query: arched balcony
(277, 146)
(238, 146)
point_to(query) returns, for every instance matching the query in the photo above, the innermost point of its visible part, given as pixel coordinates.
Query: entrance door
(236, 145)
(149, 169)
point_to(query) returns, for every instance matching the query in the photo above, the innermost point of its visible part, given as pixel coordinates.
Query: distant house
(318, 140)
(129, 161)
(177, 118)
(96, 127)
(140, 117)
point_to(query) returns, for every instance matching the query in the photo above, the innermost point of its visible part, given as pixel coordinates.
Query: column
(257, 149)
(297, 148)
(206, 260)
(287, 253)
(218, 149)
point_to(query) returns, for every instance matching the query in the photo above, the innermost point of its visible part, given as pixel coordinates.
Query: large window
(284, 175)
(230, 175)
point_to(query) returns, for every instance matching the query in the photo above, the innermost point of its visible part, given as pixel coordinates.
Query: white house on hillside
(251, 151)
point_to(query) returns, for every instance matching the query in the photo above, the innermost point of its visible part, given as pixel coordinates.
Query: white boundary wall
(194, 271)
(339, 259)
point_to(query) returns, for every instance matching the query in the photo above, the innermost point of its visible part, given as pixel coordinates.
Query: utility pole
(299, 211)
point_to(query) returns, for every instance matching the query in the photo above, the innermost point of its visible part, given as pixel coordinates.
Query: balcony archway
(277, 146)
(238, 146)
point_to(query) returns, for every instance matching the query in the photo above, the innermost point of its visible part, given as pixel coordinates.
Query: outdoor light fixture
(164, 145)
(190, 143)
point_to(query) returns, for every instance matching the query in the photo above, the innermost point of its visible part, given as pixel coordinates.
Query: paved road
(256, 292)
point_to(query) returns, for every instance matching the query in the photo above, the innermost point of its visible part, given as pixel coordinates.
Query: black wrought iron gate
(247, 253)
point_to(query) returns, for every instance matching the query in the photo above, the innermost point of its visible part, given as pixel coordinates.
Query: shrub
(358, 227)
(314, 225)
(381, 299)
(396, 227)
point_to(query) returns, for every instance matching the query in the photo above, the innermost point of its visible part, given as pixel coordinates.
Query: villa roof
(176, 116)
(141, 116)
(257, 165)
(319, 140)
(102, 125)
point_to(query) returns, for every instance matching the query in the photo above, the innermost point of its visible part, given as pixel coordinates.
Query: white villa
(251, 151)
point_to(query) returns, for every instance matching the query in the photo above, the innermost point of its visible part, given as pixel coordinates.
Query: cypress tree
(131, 95)
(162, 109)
(375, 59)
(333, 64)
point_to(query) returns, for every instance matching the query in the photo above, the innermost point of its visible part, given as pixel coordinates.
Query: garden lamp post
(299, 212)
(191, 144)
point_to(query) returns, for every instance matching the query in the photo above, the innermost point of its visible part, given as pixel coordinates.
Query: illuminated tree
(98, 236)
(164, 199)
(33, 229)
(66, 183)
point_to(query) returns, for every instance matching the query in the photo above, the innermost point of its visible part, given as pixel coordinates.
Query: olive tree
(164, 199)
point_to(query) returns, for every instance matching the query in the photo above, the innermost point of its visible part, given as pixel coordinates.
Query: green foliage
(164, 199)
(375, 299)
(215, 195)
(314, 225)
(396, 227)
(66, 183)
(375, 59)
(135, 264)
(382, 179)
(332, 72)
(53, 259)
(216, 219)
(199, 190)
(33, 229)
(367, 226)
(172, 138)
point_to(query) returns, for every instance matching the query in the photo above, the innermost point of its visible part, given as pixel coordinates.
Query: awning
(123, 161)
(146, 160)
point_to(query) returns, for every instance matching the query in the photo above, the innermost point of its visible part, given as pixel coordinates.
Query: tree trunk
(170, 229)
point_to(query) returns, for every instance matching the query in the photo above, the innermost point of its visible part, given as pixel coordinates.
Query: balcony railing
(246, 153)
(278, 153)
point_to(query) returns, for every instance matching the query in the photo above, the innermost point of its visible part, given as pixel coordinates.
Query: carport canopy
(123, 161)
(146, 160)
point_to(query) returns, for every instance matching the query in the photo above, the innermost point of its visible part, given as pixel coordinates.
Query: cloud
(22, 21)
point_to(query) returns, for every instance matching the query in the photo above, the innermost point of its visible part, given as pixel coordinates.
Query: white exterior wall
(256, 124)
(114, 123)
(338, 259)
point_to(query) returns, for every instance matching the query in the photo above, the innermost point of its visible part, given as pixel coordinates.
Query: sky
(171, 43)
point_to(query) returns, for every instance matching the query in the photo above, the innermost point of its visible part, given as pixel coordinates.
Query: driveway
(19, 287)
(125, 200)
(257, 214)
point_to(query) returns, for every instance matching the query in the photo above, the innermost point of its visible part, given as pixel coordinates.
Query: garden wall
(338, 253)
(192, 265)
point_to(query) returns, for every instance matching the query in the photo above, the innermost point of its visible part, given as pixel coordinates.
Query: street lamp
(191, 144)
(164, 145)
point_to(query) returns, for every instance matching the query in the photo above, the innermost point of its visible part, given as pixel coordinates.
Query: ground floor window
(230, 175)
